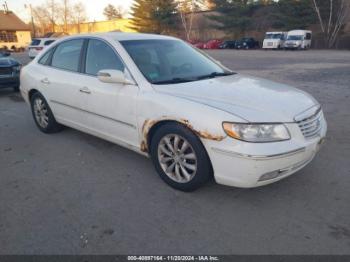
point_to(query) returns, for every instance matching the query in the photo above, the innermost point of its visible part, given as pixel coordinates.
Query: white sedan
(162, 98)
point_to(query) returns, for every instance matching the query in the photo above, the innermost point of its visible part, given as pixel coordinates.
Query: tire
(191, 168)
(42, 114)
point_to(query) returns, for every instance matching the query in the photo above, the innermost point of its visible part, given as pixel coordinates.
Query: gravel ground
(71, 193)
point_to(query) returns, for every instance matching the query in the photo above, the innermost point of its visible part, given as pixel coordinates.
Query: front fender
(203, 120)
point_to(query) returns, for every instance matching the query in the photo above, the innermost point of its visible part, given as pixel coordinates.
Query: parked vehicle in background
(4, 53)
(274, 40)
(38, 44)
(247, 43)
(9, 71)
(213, 44)
(55, 34)
(199, 45)
(160, 97)
(230, 44)
(298, 39)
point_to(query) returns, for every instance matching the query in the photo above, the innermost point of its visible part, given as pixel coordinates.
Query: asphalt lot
(71, 193)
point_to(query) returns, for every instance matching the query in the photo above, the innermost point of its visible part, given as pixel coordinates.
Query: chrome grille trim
(312, 125)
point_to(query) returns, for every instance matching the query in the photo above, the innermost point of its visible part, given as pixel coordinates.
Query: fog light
(269, 176)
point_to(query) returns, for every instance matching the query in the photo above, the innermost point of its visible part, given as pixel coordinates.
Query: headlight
(257, 132)
(17, 68)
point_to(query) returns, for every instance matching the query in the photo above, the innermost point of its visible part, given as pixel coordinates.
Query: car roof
(280, 32)
(119, 36)
(299, 31)
(44, 38)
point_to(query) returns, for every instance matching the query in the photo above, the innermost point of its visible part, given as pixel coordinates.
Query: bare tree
(46, 15)
(66, 14)
(113, 12)
(332, 16)
(79, 14)
(186, 9)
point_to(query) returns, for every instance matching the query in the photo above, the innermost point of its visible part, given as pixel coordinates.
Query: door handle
(45, 81)
(85, 90)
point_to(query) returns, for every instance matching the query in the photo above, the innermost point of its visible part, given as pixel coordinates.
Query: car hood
(8, 62)
(250, 98)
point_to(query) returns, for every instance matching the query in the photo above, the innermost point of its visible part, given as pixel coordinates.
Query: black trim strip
(106, 117)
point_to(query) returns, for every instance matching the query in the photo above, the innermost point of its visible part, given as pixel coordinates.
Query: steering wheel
(183, 68)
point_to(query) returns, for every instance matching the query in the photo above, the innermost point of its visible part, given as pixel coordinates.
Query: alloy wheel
(41, 112)
(177, 158)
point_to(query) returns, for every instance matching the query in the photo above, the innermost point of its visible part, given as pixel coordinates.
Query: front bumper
(9, 81)
(241, 164)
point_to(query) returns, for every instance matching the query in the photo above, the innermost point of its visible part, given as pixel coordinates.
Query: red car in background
(199, 45)
(213, 44)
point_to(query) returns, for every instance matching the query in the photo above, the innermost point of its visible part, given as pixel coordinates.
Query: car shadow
(14, 96)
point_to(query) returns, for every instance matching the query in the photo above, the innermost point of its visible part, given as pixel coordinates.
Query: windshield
(171, 61)
(273, 36)
(295, 37)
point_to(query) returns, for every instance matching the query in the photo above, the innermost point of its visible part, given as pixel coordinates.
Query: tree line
(235, 17)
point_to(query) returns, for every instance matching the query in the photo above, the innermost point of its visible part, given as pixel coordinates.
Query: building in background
(14, 33)
(121, 25)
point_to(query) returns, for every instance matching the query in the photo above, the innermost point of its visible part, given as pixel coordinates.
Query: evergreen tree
(154, 16)
(292, 14)
(235, 15)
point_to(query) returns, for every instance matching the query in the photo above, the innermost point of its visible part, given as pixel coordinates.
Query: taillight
(38, 48)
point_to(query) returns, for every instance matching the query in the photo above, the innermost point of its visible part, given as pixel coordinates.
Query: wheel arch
(153, 127)
(32, 92)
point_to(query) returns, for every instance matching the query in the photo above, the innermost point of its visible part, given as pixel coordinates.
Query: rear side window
(35, 42)
(101, 56)
(67, 55)
(49, 42)
(44, 60)
(308, 36)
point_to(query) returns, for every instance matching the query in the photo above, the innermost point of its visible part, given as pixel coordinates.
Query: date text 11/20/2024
(173, 258)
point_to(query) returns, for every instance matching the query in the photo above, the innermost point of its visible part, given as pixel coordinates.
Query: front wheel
(42, 115)
(180, 158)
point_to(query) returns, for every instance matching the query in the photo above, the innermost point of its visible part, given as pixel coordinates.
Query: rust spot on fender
(144, 147)
(207, 135)
(202, 134)
(147, 125)
(145, 130)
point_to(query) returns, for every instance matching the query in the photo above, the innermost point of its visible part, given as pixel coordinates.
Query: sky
(94, 8)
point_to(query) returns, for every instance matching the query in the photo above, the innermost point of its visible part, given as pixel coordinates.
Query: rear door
(61, 82)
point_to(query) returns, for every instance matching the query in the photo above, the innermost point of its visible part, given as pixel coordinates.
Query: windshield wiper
(174, 81)
(177, 80)
(215, 74)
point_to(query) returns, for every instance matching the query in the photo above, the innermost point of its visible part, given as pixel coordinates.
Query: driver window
(101, 56)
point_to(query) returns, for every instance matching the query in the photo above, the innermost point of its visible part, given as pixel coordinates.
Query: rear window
(49, 42)
(35, 42)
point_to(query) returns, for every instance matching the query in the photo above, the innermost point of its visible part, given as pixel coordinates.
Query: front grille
(312, 125)
(5, 71)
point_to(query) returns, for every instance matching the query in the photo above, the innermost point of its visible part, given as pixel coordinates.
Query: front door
(111, 107)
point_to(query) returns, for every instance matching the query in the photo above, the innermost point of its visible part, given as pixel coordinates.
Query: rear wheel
(42, 115)
(180, 158)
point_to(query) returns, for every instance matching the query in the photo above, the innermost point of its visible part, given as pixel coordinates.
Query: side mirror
(113, 76)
